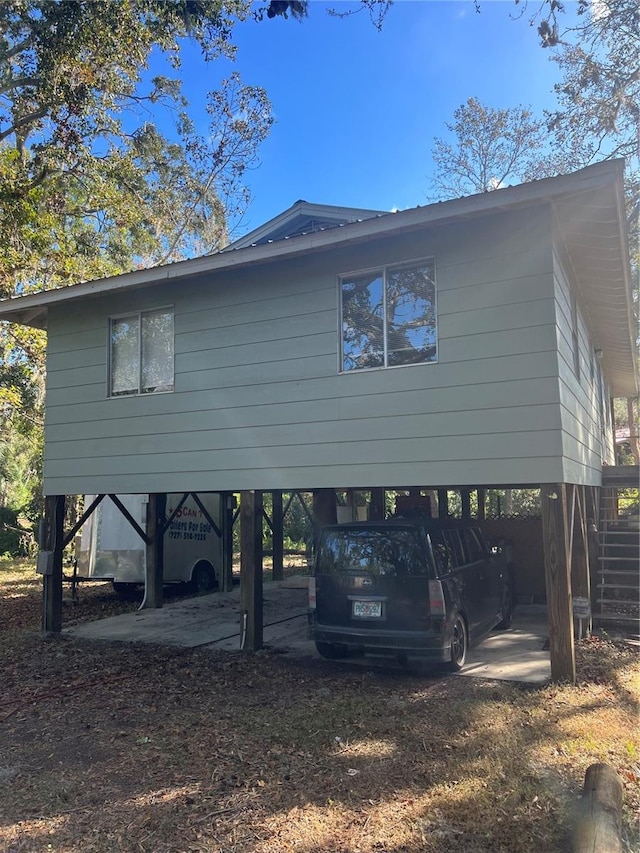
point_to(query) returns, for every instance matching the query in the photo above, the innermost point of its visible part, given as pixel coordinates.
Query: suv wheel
(459, 644)
(331, 651)
(506, 610)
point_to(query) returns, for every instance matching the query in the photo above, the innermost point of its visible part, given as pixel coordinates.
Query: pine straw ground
(111, 747)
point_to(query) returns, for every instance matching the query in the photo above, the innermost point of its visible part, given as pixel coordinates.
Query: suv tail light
(436, 598)
(312, 593)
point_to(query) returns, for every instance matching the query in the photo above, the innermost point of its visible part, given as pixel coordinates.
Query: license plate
(367, 609)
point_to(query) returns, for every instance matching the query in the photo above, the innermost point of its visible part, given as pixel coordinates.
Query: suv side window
(441, 553)
(452, 538)
(475, 545)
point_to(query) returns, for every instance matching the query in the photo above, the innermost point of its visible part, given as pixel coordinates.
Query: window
(388, 316)
(141, 353)
(453, 540)
(376, 551)
(441, 553)
(474, 546)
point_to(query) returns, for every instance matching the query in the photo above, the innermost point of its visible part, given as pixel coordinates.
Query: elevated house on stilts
(466, 345)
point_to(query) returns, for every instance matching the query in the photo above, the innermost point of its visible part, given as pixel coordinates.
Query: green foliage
(12, 536)
(598, 116)
(89, 186)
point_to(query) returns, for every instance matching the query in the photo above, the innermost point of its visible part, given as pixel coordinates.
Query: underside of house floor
(214, 621)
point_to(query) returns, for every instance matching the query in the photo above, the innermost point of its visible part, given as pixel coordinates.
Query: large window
(389, 316)
(141, 353)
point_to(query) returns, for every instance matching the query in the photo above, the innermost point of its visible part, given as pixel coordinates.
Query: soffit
(591, 226)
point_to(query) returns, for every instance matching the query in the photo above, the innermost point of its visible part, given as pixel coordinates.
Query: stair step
(616, 559)
(618, 586)
(610, 617)
(608, 534)
(625, 573)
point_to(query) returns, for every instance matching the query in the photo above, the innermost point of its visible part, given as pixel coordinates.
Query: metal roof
(303, 218)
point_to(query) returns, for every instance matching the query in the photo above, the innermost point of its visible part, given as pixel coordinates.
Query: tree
(88, 184)
(91, 182)
(492, 147)
(598, 114)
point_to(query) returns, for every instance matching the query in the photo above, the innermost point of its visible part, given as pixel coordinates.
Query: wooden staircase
(617, 600)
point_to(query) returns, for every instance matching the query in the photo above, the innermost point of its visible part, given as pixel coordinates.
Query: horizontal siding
(530, 472)
(343, 412)
(352, 449)
(225, 434)
(259, 402)
(584, 442)
(517, 381)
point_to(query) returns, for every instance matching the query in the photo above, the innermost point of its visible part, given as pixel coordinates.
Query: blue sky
(356, 109)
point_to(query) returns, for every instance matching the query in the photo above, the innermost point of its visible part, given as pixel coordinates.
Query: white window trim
(383, 269)
(138, 313)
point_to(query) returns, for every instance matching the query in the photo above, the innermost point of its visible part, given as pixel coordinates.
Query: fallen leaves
(118, 747)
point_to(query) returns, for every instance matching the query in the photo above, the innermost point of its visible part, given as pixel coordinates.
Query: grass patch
(116, 747)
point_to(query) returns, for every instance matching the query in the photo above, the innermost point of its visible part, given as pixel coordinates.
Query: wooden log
(599, 823)
(557, 570)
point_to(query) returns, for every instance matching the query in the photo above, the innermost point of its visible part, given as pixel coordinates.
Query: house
(470, 343)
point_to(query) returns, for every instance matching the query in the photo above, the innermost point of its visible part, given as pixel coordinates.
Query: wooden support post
(599, 825)
(592, 514)
(580, 571)
(52, 545)
(377, 507)
(443, 503)
(324, 511)
(278, 536)
(465, 497)
(154, 570)
(228, 506)
(556, 543)
(482, 504)
(251, 571)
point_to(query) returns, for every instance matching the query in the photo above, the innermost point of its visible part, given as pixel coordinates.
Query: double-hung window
(141, 352)
(388, 316)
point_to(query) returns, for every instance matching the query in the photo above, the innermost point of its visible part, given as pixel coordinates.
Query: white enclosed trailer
(109, 548)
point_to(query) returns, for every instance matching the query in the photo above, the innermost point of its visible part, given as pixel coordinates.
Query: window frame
(382, 269)
(139, 315)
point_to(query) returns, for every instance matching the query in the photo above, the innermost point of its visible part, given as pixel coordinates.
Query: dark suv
(426, 588)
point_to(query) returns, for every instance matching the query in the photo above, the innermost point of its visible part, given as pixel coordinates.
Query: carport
(215, 622)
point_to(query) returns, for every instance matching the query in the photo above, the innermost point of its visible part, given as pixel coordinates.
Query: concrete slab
(213, 621)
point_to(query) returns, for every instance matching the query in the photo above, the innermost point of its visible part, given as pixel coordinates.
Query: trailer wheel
(203, 578)
(125, 590)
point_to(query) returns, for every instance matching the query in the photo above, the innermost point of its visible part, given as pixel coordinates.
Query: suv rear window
(381, 551)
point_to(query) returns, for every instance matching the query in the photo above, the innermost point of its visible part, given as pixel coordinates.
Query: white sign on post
(581, 607)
